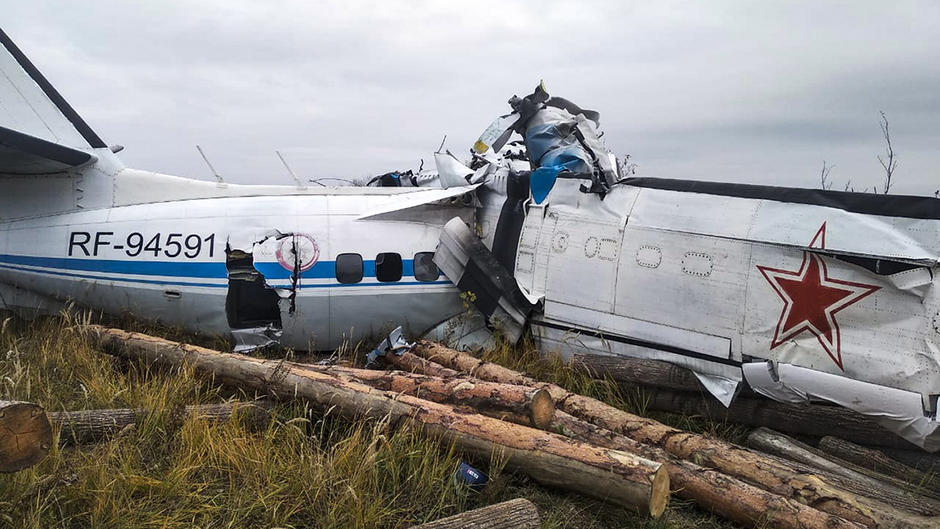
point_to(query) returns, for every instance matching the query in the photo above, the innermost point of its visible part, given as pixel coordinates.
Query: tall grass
(305, 469)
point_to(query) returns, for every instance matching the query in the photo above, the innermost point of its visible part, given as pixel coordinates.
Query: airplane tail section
(51, 161)
(40, 133)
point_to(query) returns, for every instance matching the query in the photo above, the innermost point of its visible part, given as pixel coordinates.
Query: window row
(388, 267)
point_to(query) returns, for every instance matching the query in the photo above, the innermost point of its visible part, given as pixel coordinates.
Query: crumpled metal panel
(899, 411)
(248, 340)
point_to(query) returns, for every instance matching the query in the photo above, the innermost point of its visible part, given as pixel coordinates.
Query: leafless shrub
(889, 162)
(625, 166)
(824, 181)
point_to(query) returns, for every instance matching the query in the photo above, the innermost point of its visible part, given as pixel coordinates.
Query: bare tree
(890, 161)
(824, 181)
(625, 166)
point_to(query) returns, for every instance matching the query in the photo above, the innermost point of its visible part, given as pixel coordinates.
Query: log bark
(848, 475)
(876, 461)
(550, 459)
(88, 426)
(513, 514)
(721, 494)
(638, 372)
(412, 363)
(520, 404)
(815, 420)
(772, 475)
(25, 435)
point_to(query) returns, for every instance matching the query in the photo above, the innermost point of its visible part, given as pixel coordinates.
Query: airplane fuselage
(227, 264)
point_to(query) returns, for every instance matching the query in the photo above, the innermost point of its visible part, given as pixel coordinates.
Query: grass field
(306, 469)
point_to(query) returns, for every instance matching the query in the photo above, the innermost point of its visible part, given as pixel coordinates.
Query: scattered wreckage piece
(464, 259)
(519, 513)
(885, 488)
(89, 426)
(25, 435)
(550, 459)
(778, 476)
(878, 461)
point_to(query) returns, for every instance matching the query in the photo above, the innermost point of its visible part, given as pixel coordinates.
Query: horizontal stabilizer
(23, 154)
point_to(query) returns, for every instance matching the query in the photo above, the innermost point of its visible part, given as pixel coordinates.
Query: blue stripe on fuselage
(272, 272)
(112, 266)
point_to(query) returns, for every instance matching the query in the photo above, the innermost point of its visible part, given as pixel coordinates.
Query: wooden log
(884, 489)
(25, 435)
(551, 459)
(721, 494)
(877, 461)
(638, 372)
(521, 404)
(88, 426)
(775, 476)
(519, 513)
(814, 420)
(918, 459)
(413, 363)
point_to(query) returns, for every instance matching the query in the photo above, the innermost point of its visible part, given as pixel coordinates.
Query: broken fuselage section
(803, 294)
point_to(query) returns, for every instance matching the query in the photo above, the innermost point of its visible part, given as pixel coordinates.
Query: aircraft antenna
(289, 170)
(215, 173)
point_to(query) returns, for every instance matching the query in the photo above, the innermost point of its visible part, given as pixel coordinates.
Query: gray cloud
(754, 92)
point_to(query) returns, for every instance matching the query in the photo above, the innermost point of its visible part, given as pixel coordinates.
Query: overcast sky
(755, 92)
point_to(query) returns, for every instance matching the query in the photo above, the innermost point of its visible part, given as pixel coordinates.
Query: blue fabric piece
(542, 181)
(551, 144)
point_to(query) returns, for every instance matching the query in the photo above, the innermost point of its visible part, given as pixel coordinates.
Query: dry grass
(304, 470)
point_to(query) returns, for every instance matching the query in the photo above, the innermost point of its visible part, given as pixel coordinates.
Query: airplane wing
(414, 199)
(40, 132)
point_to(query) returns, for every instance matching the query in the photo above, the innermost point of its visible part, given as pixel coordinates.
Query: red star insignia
(811, 300)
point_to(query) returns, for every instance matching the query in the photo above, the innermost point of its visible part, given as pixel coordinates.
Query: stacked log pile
(612, 475)
(800, 495)
(559, 438)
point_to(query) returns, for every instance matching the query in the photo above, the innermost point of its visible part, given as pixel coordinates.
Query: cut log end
(659, 492)
(542, 409)
(25, 435)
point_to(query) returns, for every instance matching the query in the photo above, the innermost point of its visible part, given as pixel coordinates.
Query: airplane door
(582, 256)
(534, 246)
(305, 306)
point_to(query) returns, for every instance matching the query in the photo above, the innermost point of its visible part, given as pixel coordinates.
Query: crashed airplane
(801, 294)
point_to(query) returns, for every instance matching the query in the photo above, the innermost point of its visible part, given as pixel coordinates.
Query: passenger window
(388, 267)
(425, 269)
(349, 268)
